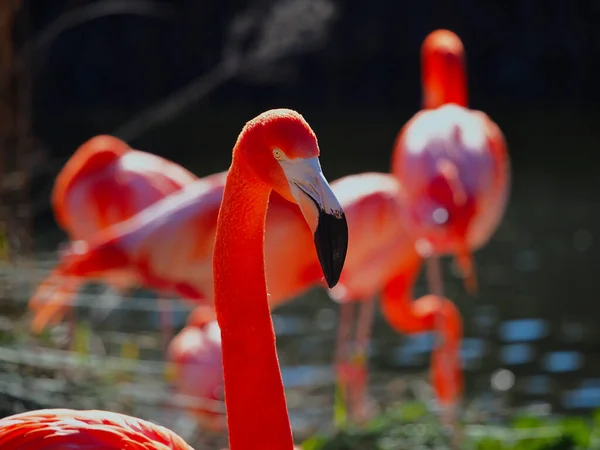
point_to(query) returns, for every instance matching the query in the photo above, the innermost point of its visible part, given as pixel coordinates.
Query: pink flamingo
(452, 161)
(106, 182)
(194, 357)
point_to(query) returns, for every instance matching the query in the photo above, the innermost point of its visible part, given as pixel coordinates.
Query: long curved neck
(397, 298)
(254, 393)
(444, 80)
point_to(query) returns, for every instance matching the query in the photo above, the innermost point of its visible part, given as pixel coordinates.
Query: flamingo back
(452, 162)
(60, 429)
(119, 190)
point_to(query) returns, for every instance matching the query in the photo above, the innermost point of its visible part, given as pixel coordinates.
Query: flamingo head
(443, 70)
(285, 157)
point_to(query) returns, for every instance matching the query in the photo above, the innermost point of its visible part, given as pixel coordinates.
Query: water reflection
(536, 385)
(563, 361)
(584, 397)
(516, 354)
(523, 330)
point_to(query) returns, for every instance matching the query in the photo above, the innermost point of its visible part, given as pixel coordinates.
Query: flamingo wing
(61, 429)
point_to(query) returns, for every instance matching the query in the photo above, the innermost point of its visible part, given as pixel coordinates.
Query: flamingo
(454, 168)
(104, 183)
(57, 429)
(278, 151)
(194, 357)
(452, 161)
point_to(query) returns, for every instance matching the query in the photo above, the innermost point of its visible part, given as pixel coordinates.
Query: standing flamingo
(278, 151)
(454, 166)
(452, 162)
(104, 183)
(60, 429)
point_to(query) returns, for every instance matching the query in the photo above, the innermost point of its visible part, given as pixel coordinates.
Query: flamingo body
(452, 161)
(61, 429)
(195, 354)
(453, 166)
(104, 183)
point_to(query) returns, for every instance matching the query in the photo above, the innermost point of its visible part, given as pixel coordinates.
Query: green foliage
(340, 415)
(411, 426)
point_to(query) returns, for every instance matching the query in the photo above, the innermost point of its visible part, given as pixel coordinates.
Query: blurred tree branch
(31, 51)
(289, 27)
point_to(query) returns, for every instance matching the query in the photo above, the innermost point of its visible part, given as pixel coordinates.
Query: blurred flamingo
(276, 150)
(56, 429)
(454, 167)
(104, 183)
(452, 162)
(428, 313)
(196, 368)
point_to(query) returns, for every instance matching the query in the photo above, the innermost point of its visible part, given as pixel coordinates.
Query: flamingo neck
(408, 316)
(254, 393)
(444, 80)
(397, 298)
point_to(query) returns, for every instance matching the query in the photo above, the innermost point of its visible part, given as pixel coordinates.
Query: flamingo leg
(166, 322)
(360, 359)
(435, 282)
(71, 327)
(344, 333)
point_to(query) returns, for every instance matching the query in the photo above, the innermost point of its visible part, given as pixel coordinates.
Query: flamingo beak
(323, 213)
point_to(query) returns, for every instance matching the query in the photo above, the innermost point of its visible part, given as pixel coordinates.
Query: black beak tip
(331, 241)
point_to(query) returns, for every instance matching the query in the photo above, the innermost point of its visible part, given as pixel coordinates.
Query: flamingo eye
(278, 154)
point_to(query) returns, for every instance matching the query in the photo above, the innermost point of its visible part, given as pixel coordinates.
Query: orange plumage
(60, 429)
(105, 182)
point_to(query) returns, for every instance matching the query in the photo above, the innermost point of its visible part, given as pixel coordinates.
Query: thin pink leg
(436, 287)
(166, 322)
(344, 333)
(360, 359)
